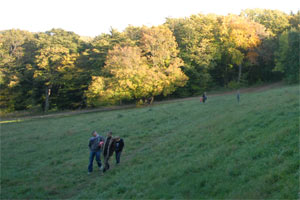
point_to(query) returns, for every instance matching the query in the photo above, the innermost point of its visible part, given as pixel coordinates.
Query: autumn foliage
(59, 69)
(139, 72)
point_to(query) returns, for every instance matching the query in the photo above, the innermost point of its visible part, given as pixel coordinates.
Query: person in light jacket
(95, 150)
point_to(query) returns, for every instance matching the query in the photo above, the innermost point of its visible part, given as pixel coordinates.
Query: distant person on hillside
(204, 97)
(238, 96)
(150, 100)
(109, 148)
(119, 144)
(95, 150)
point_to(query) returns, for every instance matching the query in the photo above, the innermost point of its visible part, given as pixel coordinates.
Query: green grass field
(183, 150)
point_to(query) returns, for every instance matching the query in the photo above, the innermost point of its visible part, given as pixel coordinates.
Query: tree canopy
(139, 72)
(59, 69)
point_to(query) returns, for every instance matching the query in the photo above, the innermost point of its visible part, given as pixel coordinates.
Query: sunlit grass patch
(11, 121)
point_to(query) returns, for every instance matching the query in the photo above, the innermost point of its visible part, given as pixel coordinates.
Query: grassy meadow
(181, 150)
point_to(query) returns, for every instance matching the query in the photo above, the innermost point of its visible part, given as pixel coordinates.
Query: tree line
(58, 69)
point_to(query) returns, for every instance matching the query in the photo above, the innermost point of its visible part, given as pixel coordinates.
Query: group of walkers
(203, 98)
(107, 146)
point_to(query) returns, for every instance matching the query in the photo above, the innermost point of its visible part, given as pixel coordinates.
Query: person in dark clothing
(119, 144)
(95, 150)
(204, 97)
(109, 148)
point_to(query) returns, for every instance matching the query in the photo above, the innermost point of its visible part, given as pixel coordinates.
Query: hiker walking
(95, 150)
(204, 97)
(109, 148)
(238, 96)
(119, 144)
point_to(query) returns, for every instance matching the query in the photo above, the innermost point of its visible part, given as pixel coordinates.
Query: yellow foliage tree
(139, 73)
(238, 36)
(53, 67)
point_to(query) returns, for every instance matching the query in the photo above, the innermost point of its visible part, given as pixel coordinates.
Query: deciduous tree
(287, 55)
(239, 36)
(138, 73)
(53, 65)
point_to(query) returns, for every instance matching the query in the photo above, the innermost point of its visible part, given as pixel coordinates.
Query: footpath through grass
(177, 150)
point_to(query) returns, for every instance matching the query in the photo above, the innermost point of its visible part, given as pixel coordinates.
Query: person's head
(109, 134)
(117, 138)
(94, 133)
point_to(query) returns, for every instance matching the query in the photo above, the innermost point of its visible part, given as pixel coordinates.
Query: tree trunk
(239, 79)
(225, 77)
(48, 92)
(152, 99)
(240, 74)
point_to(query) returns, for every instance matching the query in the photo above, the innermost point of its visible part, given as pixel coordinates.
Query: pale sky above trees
(93, 17)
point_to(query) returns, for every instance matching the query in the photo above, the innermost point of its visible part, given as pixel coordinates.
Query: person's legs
(91, 159)
(118, 156)
(98, 153)
(105, 164)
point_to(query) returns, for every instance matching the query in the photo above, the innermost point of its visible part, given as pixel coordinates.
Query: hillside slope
(179, 150)
(25, 115)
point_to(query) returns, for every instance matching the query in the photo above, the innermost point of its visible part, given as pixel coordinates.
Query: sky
(93, 17)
